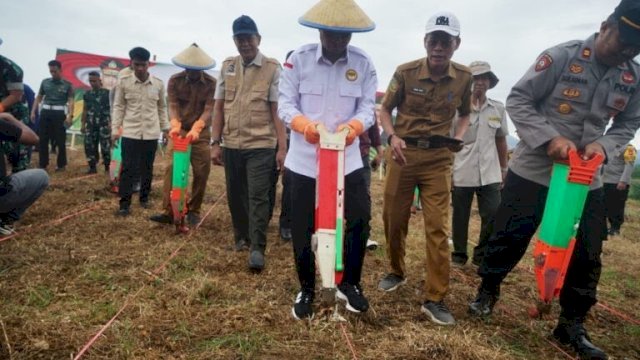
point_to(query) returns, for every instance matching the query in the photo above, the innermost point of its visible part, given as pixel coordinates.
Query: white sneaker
(6, 229)
(372, 244)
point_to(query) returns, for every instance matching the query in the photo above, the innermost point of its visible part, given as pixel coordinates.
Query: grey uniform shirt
(477, 164)
(568, 93)
(617, 170)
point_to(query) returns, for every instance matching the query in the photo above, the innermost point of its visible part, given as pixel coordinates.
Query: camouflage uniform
(11, 79)
(97, 126)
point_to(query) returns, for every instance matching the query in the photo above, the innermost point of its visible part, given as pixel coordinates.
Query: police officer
(427, 93)
(96, 123)
(11, 91)
(56, 96)
(564, 102)
(480, 166)
(246, 120)
(334, 84)
(617, 179)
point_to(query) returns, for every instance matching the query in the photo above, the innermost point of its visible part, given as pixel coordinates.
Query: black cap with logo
(244, 25)
(627, 14)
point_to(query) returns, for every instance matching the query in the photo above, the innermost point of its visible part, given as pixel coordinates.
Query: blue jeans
(26, 188)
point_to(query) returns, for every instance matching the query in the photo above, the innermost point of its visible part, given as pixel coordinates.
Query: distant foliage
(634, 191)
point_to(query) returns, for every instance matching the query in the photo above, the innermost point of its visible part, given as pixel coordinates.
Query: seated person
(20, 190)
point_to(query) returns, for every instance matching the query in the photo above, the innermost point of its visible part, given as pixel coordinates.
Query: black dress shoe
(483, 304)
(256, 261)
(161, 218)
(575, 335)
(193, 219)
(124, 212)
(92, 170)
(285, 234)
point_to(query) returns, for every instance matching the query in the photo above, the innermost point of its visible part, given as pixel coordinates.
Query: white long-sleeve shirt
(329, 93)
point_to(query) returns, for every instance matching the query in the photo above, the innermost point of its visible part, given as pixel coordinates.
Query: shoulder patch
(544, 61)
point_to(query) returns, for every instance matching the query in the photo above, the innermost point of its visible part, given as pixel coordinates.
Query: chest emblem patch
(564, 108)
(576, 69)
(351, 75)
(586, 53)
(628, 77)
(571, 93)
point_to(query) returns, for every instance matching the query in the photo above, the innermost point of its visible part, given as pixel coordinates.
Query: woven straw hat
(337, 15)
(194, 58)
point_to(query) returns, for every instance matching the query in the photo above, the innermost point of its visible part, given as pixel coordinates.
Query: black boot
(572, 333)
(485, 300)
(92, 169)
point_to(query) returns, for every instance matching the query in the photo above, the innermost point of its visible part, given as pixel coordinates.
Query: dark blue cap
(627, 14)
(244, 25)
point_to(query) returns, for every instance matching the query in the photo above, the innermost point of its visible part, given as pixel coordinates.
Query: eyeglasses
(445, 41)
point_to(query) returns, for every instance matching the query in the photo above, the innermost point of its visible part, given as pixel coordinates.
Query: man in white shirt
(333, 84)
(480, 166)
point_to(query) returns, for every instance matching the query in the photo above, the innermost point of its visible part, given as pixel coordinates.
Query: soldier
(246, 119)
(334, 84)
(427, 93)
(56, 96)
(140, 109)
(480, 166)
(564, 102)
(96, 123)
(190, 106)
(11, 91)
(617, 180)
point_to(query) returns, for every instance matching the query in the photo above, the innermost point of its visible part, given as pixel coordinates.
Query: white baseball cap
(444, 21)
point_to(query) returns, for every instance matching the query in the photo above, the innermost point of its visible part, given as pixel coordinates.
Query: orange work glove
(195, 131)
(355, 129)
(308, 128)
(176, 125)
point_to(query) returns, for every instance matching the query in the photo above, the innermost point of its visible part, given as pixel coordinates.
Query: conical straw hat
(337, 15)
(193, 58)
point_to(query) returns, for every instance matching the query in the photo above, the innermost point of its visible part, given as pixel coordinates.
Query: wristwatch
(214, 142)
(389, 138)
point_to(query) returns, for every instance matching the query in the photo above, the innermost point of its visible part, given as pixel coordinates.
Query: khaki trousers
(430, 171)
(200, 165)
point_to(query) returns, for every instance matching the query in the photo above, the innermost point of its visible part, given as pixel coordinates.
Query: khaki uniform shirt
(248, 91)
(568, 93)
(191, 98)
(477, 164)
(140, 108)
(426, 107)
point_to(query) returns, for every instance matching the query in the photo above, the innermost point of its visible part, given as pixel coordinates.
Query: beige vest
(248, 123)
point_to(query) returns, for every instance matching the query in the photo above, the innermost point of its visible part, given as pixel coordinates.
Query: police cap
(244, 25)
(627, 14)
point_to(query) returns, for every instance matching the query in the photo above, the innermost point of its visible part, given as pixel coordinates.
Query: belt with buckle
(54, 107)
(422, 143)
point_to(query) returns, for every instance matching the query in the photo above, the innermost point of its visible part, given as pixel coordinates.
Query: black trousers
(516, 221)
(249, 175)
(488, 200)
(285, 204)
(52, 128)
(137, 163)
(615, 201)
(357, 213)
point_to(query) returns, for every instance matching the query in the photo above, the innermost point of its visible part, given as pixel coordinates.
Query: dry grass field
(75, 273)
